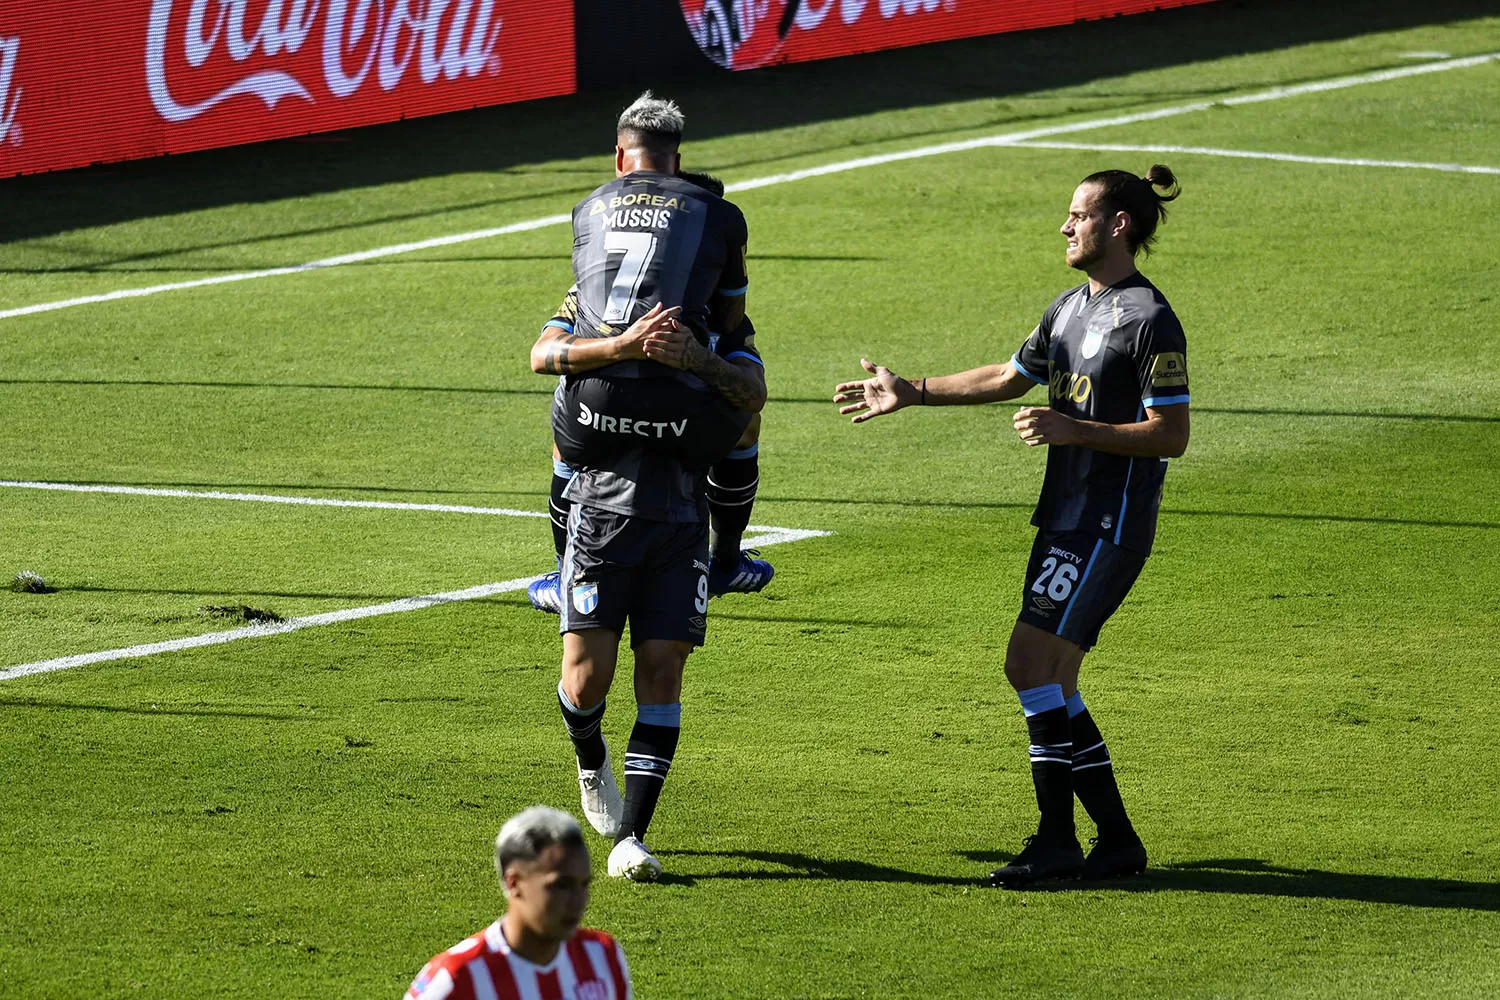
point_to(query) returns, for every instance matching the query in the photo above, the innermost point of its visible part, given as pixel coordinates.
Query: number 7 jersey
(646, 238)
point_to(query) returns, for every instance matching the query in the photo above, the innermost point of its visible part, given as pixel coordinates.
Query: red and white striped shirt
(589, 966)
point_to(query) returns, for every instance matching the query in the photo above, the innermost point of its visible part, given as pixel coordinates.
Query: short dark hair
(530, 832)
(1122, 191)
(707, 182)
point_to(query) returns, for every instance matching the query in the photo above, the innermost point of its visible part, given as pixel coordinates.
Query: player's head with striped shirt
(1115, 211)
(544, 867)
(648, 135)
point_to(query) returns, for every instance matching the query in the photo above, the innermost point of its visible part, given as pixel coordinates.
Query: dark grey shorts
(1074, 582)
(652, 574)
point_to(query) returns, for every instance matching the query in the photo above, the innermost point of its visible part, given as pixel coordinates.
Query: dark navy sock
(1094, 775)
(1051, 759)
(558, 505)
(732, 484)
(653, 742)
(583, 729)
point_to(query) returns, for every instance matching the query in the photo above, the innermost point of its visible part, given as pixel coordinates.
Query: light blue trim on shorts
(1078, 587)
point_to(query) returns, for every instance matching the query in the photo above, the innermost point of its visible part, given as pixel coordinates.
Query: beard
(1087, 255)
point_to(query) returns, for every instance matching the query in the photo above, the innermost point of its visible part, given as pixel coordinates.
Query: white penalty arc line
(761, 537)
(1252, 154)
(1004, 139)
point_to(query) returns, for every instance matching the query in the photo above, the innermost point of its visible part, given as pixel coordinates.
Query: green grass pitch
(1298, 694)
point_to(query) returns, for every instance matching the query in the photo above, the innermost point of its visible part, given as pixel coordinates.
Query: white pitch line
(768, 534)
(1250, 154)
(761, 537)
(1257, 155)
(142, 491)
(263, 630)
(1004, 139)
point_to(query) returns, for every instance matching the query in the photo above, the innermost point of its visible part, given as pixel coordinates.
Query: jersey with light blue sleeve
(1106, 357)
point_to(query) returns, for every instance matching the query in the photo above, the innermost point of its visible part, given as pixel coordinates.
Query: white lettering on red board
(387, 37)
(10, 99)
(810, 14)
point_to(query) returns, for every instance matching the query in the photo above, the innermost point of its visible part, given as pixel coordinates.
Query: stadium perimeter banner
(746, 34)
(749, 34)
(106, 80)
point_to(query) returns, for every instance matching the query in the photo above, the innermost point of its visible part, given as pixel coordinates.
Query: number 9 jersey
(646, 238)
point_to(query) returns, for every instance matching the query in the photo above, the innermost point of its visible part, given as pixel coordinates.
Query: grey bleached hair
(654, 119)
(530, 832)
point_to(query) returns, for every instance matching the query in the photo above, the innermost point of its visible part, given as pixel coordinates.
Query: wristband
(924, 393)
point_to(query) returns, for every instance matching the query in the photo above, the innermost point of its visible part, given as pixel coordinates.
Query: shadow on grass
(231, 593)
(112, 268)
(323, 487)
(1254, 877)
(1454, 418)
(717, 615)
(196, 712)
(793, 867)
(1174, 512)
(190, 384)
(1236, 876)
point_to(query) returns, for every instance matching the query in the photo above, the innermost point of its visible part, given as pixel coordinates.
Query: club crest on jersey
(586, 597)
(1093, 337)
(591, 990)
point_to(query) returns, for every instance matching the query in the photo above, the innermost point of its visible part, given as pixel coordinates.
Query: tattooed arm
(559, 351)
(741, 382)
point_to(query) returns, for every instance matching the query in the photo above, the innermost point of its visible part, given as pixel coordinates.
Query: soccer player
(538, 948)
(637, 542)
(1113, 358)
(733, 481)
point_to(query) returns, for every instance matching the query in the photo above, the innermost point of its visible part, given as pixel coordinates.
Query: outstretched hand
(887, 392)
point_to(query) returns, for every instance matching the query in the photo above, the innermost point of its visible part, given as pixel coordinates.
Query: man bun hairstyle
(651, 122)
(1137, 197)
(530, 832)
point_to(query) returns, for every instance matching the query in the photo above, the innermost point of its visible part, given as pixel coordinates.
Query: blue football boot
(745, 577)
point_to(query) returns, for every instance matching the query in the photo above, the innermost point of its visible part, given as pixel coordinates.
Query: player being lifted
(657, 261)
(1113, 357)
(732, 481)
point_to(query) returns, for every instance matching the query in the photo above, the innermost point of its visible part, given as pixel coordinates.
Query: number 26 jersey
(1107, 358)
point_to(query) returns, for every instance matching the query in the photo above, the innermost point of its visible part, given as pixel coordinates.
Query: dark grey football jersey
(1106, 358)
(646, 238)
(642, 239)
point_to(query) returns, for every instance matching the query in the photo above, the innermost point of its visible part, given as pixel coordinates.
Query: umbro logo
(1043, 603)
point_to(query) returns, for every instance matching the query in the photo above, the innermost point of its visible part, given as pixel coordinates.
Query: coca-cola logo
(744, 34)
(358, 42)
(10, 99)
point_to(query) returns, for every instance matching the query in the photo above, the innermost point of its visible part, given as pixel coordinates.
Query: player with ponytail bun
(1122, 191)
(1112, 358)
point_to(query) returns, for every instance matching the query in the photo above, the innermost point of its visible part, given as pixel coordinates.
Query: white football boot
(602, 805)
(631, 860)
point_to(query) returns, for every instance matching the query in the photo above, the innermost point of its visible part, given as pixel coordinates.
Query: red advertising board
(111, 80)
(745, 34)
